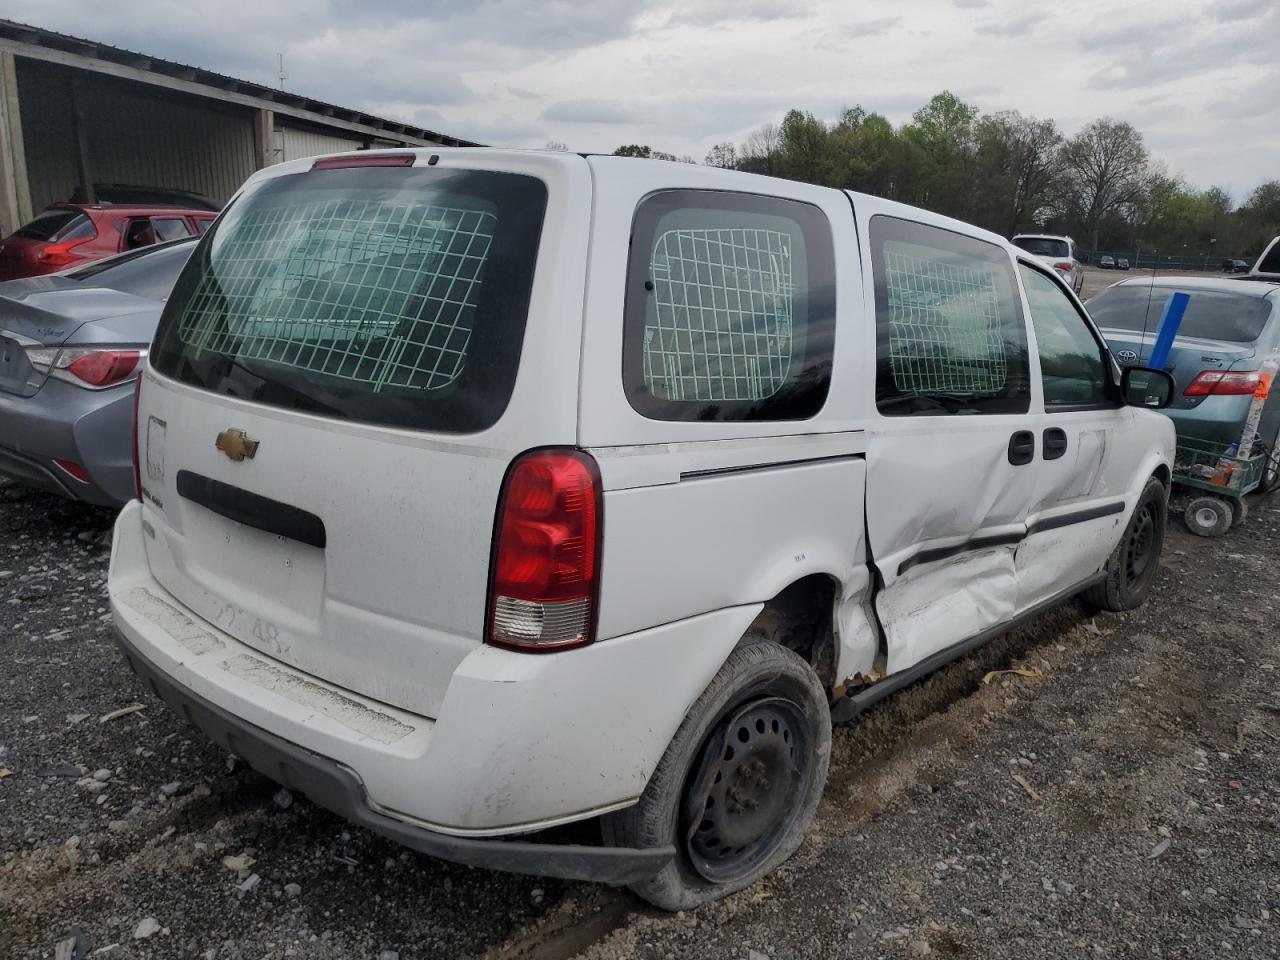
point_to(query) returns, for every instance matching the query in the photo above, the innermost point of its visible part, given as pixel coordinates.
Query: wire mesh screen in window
(381, 293)
(721, 327)
(945, 330)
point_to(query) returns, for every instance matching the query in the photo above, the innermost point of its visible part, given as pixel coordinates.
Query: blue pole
(1174, 308)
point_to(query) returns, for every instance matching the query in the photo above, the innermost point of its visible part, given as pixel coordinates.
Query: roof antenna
(280, 71)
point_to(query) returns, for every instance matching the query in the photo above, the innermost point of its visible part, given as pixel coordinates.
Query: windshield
(1044, 246)
(1211, 314)
(55, 224)
(390, 295)
(149, 272)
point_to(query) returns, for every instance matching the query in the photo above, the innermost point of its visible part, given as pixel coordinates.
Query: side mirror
(1144, 387)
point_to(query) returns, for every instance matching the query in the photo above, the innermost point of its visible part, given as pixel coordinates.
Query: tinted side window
(949, 329)
(730, 307)
(170, 228)
(1071, 366)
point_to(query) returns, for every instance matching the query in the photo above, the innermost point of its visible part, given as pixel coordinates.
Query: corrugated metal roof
(91, 55)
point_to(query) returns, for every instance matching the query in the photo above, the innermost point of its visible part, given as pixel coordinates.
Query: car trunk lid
(1188, 356)
(46, 312)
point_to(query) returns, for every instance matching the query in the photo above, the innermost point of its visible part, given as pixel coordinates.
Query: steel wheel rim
(1139, 543)
(1207, 517)
(751, 777)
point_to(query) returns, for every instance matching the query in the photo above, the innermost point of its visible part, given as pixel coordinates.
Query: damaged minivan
(481, 492)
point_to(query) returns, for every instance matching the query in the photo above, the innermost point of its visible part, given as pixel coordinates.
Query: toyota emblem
(1127, 356)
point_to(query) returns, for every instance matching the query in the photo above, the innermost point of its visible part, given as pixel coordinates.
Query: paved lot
(1145, 823)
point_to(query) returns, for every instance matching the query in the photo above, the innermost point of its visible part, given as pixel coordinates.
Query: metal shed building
(75, 113)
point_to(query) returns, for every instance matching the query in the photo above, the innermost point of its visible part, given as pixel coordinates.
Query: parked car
(71, 346)
(1057, 251)
(466, 533)
(1235, 266)
(1107, 262)
(68, 234)
(1228, 343)
(1122, 263)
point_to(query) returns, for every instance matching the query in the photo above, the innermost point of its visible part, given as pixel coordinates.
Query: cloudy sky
(1200, 79)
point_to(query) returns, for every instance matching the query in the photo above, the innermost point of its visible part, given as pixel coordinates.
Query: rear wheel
(739, 782)
(1271, 467)
(1132, 566)
(1208, 517)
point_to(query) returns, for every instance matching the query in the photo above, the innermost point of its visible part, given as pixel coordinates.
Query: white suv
(483, 491)
(1058, 252)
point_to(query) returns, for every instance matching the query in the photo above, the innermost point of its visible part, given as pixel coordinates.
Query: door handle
(1055, 443)
(1022, 448)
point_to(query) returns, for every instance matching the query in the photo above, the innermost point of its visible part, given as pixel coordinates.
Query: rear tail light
(545, 573)
(1227, 383)
(93, 367)
(61, 254)
(137, 462)
(1065, 266)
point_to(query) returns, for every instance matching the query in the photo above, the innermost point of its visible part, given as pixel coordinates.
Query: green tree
(1106, 165)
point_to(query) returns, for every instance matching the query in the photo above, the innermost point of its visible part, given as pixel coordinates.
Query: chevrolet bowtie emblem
(236, 444)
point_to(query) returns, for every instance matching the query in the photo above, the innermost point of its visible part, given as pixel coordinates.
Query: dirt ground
(1121, 801)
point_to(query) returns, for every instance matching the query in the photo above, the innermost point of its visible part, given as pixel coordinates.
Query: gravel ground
(1122, 801)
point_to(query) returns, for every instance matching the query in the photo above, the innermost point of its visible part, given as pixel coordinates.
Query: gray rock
(236, 864)
(283, 799)
(102, 776)
(147, 927)
(170, 789)
(292, 890)
(250, 882)
(117, 826)
(389, 955)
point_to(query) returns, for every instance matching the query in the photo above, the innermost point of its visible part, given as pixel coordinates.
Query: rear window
(57, 225)
(1044, 246)
(1211, 314)
(388, 295)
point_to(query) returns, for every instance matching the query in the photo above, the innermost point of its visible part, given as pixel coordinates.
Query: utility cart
(1222, 476)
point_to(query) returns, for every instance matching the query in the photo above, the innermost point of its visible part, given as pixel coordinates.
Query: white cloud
(1198, 80)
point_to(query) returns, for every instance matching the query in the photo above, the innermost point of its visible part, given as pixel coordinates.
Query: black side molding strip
(851, 707)
(252, 509)
(1079, 516)
(934, 554)
(772, 465)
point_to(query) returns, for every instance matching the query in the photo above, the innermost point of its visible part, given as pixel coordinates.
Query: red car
(68, 234)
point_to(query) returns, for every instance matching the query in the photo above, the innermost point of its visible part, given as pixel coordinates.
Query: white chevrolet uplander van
(485, 491)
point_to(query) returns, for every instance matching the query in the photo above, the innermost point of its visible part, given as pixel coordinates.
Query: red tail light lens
(60, 254)
(544, 576)
(137, 464)
(1065, 267)
(102, 368)
(1227, 383)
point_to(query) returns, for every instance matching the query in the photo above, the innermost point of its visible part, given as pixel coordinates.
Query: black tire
(1208, 516)
(1239, 511)
(1132, 566)
(1270, 468)
(779, 712)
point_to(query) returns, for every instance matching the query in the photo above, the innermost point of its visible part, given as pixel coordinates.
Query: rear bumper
(336, 787)
(63, 422)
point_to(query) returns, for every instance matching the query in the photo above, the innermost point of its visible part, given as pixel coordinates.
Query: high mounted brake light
(1227, 383)
(366, 160)
(545, 570)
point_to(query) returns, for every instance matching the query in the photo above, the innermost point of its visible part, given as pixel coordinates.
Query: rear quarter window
(389, 295)
(730, 307)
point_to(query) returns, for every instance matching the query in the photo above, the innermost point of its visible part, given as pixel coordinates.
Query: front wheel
(740, 781)
(1132, 566)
